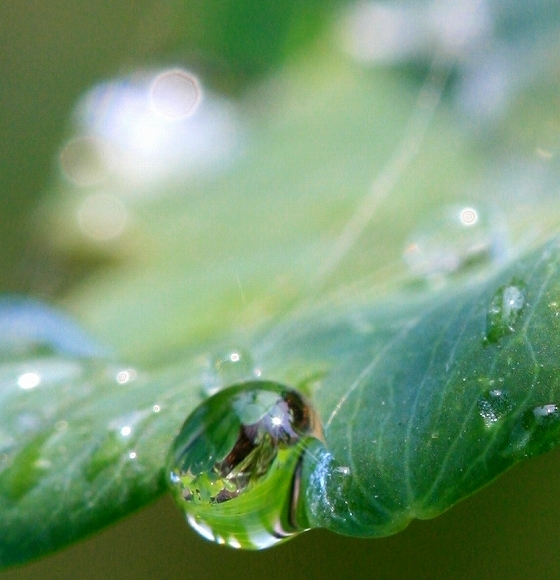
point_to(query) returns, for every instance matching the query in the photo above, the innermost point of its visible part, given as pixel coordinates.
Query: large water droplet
(503, 312)
(493, 405)
(226, 368)
(234, 467)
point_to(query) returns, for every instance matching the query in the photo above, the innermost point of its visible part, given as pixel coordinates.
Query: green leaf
(429, 403)
(419, 410)
(402, 380)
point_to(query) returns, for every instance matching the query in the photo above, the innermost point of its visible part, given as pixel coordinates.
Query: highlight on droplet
(468, 216)
(126, 376)
(86, 160)
(29, 380)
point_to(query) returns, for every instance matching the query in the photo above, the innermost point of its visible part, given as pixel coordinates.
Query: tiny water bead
(452, 239)
(228, 367)
(234, 467)
(536, 431)
(504, 310)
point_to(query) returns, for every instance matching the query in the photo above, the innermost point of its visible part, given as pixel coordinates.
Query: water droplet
(493, 405)
(228, 367)
(503, 312)
(546, 414)
(536, 431)
(555, 307)
(454, 238)
(234, 467)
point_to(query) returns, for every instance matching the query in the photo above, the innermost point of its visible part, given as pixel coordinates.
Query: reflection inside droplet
(234, 466)
(126, 431)
(504, 310)
(175, 94)
(29, 380)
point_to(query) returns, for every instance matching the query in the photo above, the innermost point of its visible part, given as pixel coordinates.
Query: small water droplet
(536, 431)
(234, 467)
(344, 470)
(452, 239)
(504, 311)
(228, 367)
(493, 405)
(546, 414)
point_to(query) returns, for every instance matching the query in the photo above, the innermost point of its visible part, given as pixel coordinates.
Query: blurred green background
(498, 126)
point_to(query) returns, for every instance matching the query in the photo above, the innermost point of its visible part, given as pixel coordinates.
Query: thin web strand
(409, 146)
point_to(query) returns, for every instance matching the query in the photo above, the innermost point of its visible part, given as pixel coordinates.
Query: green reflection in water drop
(493, 405)
(234, 467)
(503, 312)
(536, 431)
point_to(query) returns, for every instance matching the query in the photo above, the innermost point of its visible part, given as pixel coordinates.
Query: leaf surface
(419, 411)
(425, 393)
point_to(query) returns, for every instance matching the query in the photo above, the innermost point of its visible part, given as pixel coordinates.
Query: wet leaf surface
(419, 410)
